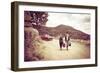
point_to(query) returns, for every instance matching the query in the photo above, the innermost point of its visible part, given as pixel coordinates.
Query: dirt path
(76, 51)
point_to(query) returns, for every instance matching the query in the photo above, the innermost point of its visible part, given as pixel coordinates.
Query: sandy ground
(77, 50)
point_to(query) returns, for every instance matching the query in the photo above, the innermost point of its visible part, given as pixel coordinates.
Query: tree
(35, 17)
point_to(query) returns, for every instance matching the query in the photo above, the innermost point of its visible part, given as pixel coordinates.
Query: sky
(77, 21)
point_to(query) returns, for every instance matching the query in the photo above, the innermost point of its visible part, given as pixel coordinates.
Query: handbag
(69, 44)
(63, 44)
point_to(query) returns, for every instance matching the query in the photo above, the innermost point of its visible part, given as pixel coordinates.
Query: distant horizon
(68, 26)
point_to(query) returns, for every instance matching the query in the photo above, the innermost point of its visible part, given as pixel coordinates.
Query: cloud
(78, 21)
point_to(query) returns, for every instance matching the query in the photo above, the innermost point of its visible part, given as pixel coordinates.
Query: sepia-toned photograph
(56, 36)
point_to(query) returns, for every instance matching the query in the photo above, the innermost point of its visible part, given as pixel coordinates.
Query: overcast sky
(78, 21)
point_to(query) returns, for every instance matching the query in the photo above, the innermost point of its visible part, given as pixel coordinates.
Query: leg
(60, 46)
(67, 45)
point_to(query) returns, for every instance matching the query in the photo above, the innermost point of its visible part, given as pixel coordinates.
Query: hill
(62, 29)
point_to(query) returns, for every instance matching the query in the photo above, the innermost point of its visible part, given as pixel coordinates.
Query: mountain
(62, 29)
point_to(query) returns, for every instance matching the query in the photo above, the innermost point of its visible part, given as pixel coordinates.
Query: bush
(32, 45)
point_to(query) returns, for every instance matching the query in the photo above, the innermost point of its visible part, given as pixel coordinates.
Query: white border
(23, 64)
